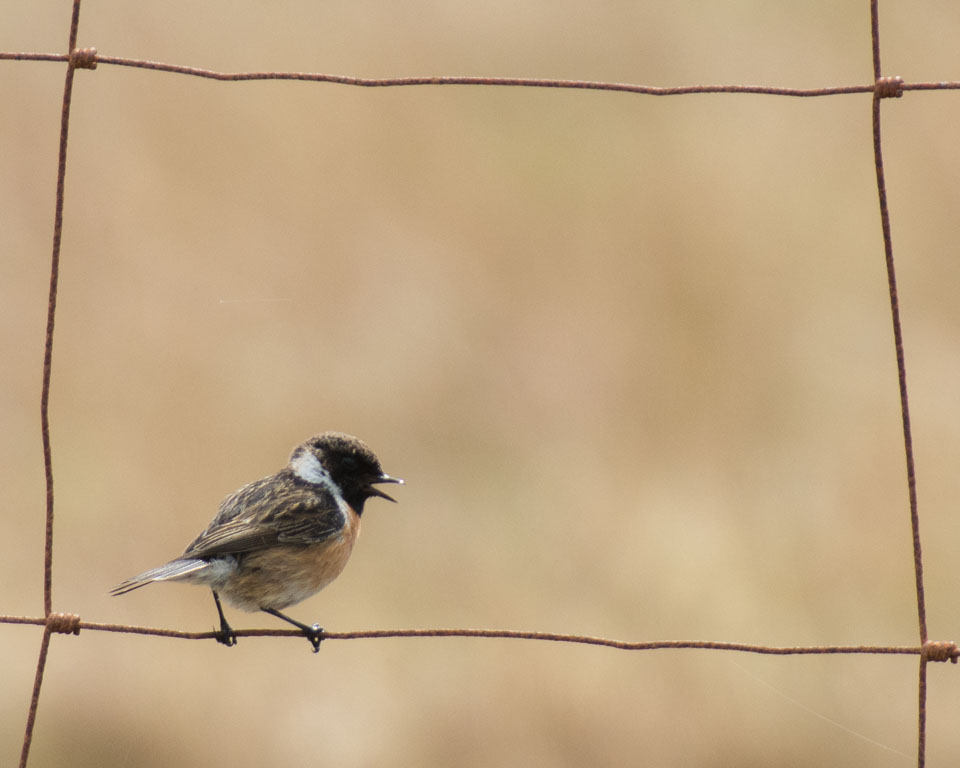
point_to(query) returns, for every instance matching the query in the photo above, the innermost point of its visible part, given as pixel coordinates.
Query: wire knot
(64, 623)
(941, 650)
(889, 87)
(84, 58)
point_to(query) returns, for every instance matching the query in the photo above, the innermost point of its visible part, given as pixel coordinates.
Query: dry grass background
(632, 355)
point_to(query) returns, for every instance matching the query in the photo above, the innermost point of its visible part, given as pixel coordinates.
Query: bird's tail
(175, 569)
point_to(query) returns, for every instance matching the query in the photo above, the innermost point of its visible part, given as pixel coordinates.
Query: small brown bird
(281, 539)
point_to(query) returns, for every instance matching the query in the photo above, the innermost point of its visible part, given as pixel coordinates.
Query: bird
(283, 538)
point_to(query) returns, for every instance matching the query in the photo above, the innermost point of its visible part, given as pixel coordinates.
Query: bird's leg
(226, 635)
(314, 634)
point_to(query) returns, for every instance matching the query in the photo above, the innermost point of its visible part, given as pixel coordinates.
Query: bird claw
(315, 636)
(226, 636)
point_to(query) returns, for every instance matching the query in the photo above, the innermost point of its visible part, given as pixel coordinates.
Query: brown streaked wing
(233, 537)
(268, 511)
(303, 523)
(309, 525)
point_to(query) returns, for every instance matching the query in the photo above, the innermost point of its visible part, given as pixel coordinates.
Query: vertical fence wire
(45, 387)
(902, 382)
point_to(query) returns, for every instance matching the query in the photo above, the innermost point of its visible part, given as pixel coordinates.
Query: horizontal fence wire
(882, 87)
(89, 58)
(71, 624)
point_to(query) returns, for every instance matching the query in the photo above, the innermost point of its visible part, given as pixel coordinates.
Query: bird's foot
(315, 636)
(226, 636)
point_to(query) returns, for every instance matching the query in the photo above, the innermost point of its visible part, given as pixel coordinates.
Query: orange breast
(283, 575)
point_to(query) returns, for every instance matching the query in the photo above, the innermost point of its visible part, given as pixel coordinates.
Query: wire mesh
(882, 87)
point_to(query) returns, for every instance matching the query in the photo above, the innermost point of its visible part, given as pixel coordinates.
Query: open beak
(384, 479)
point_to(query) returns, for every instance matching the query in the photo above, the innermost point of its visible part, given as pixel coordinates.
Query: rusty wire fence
(926, 650)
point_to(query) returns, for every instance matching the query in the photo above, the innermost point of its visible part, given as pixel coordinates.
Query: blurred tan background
(632, 355)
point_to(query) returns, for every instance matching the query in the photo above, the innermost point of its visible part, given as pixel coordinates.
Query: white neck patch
(309, 469)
